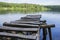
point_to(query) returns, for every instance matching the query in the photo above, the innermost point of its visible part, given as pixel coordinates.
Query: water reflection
(24, 12)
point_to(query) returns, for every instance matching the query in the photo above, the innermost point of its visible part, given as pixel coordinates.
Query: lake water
(51, 17)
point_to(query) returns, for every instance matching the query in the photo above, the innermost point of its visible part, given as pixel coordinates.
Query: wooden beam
(26, 22)
(4, 34)
(35, 19)
(29, 25)
(20, 25)
(47, 26)
(18, 29)
(34, 16)
(32, 21)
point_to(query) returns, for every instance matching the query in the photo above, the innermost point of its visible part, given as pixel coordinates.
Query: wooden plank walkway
(30, 25)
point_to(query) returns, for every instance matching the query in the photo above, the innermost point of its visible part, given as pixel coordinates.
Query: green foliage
(54, 7)
(22, 7)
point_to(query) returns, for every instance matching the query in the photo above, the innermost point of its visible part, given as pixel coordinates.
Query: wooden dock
(26, 28)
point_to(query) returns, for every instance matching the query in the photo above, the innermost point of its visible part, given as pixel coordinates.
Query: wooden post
(44, 33)
(50, 35)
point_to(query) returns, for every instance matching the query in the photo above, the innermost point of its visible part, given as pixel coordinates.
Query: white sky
(42, 2)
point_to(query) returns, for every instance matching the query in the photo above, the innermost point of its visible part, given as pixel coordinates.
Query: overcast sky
(42, 2)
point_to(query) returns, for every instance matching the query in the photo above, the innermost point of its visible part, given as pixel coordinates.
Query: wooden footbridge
(26, 28)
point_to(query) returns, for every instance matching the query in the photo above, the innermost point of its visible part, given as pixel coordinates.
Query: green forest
(26, 7)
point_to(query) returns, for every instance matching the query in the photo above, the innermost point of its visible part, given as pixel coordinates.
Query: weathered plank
(18, 29)
(26, 22)
(47, 26)
(30, 18)
(20, 25)
(4, 34)
(29, 25)
(35, 19)
(33, 16)
(32, 21)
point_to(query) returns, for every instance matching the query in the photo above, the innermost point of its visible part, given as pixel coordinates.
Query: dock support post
(44, 33)
(50, 35)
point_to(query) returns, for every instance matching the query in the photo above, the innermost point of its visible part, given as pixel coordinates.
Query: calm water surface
(51, 17)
